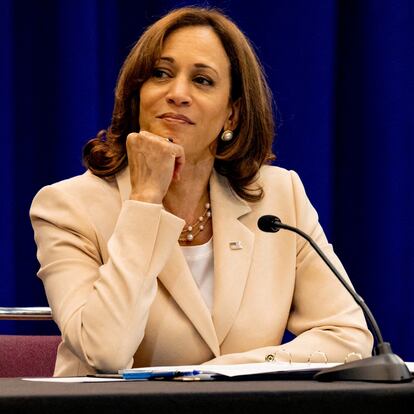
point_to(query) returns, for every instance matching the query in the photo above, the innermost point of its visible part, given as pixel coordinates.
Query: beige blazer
(122, 294)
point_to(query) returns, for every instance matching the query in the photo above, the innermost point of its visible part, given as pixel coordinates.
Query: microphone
(384, 366)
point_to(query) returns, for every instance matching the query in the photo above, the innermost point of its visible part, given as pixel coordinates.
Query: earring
(227, 135)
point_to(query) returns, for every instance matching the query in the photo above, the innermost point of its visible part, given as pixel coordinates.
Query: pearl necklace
(190, 232)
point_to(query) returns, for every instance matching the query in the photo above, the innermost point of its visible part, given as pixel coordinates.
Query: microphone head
(269, 223)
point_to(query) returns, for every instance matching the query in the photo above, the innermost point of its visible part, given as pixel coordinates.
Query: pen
(158, 374)
(104, 375)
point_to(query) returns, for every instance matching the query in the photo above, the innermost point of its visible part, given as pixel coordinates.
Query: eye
(160, 73)
(203, 80)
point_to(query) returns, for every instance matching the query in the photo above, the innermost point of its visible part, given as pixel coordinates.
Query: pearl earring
(227, 135)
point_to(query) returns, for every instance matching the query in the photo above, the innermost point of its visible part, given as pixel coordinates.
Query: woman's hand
(153, 162)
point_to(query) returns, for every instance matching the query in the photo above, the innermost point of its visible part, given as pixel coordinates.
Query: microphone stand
(384, 365)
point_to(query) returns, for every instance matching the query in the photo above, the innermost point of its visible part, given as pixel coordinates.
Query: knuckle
(132, 139)
(132, 135)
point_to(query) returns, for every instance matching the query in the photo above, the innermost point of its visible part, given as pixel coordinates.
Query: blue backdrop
(342, 78)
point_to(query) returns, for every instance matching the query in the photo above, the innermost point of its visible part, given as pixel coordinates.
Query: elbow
(357, 342)
(108, 358)
(111, 355)
(109, 365)
(102, 351)
(366, 343)
(105, 356)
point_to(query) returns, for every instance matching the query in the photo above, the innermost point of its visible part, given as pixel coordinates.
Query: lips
(179, 118)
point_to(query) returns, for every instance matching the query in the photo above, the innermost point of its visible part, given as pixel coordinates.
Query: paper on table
(266, 368)
(73, 379)
(242, 370)
(235, 370)
(226, 370)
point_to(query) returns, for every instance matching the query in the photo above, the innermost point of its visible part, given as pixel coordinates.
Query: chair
(27, 355)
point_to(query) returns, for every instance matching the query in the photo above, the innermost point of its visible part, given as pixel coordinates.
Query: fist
(154, 162)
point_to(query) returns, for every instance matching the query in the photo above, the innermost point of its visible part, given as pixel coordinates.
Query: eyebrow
(197, 65)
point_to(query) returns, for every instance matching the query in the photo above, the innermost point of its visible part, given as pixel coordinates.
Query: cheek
(219, 115)
(147, 96)
(143, 98)
(215, 107)
(141, 117)
(145, 104)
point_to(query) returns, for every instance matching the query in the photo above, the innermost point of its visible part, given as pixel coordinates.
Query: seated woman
(153, 256)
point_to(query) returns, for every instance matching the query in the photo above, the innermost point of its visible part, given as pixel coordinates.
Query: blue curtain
(342, 78)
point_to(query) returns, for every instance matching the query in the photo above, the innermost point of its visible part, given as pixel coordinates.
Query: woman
(153, 256)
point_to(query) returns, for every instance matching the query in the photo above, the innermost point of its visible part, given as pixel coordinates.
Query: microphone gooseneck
(384, 366)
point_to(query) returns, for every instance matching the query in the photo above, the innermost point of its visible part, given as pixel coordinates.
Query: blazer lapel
(233, 249)
(178, 280)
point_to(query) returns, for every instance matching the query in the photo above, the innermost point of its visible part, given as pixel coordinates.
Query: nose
(179, 92)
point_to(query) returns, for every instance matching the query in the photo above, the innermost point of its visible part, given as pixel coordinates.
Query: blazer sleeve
(324, 317)
(101, 307)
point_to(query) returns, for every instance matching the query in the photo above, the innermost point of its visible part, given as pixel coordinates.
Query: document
(235, 371)
(73, 379)
(263, 370)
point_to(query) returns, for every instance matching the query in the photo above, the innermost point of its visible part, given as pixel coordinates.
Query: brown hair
(239, 159)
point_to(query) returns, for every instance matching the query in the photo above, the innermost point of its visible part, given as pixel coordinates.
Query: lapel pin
(236, 245)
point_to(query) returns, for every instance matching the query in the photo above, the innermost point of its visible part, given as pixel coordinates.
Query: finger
(156, 137)
(177, 151)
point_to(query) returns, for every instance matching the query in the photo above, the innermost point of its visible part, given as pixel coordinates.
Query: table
(18, 396)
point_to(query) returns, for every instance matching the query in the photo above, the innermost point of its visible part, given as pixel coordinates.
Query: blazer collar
(233, 248)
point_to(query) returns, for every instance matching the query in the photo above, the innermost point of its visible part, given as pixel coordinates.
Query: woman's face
(187, 97)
